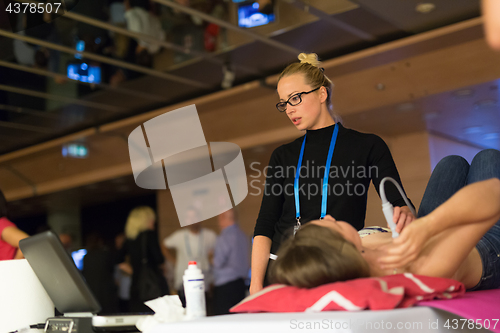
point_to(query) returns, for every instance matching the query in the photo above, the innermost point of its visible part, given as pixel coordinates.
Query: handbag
(149, 283)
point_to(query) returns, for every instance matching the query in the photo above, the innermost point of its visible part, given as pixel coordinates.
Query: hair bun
(309, 58)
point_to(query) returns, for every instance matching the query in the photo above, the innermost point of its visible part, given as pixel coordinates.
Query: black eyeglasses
(293, 100)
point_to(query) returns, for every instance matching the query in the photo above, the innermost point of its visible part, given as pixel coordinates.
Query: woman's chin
(300, 127)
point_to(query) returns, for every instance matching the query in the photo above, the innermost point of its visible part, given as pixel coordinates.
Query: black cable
(40, 326)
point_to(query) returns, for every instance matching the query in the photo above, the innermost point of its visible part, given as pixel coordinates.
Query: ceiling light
(75, 150)
(425, 8)
(403, 107)
(431, 115)
(491, 136)
(259, 149)
(463, 93)
(473, 130)
(485, 104)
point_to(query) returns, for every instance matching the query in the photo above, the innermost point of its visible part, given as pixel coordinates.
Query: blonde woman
(144, 252)
(336, 167)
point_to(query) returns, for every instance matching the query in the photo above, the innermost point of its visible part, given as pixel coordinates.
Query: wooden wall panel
(411, 155)
(440, 147)
(434, 72)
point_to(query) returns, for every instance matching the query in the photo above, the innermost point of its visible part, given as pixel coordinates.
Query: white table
(415, 319)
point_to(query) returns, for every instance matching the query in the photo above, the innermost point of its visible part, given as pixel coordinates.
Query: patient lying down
(441, 244)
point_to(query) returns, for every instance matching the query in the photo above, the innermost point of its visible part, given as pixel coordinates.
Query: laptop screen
(58, 274)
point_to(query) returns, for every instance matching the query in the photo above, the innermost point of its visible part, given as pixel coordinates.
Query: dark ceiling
(28, 117)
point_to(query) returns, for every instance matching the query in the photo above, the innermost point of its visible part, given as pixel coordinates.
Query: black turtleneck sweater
(358, 158)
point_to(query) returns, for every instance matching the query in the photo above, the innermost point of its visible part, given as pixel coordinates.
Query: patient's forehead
(330, 224)
(327, 221)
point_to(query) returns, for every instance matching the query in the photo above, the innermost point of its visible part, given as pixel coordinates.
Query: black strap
(144, 248)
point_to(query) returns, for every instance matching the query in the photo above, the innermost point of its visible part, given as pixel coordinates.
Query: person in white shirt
(191, 243)
(141, 20)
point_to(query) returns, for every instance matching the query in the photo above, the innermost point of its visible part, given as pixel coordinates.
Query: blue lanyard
(188, 246)
(324, 192)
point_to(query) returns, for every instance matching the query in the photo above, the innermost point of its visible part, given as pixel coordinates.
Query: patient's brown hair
(317, 255)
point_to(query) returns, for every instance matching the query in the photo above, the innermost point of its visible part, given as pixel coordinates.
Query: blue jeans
(450, 175)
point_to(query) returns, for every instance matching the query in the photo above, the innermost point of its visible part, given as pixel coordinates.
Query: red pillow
(388, 292)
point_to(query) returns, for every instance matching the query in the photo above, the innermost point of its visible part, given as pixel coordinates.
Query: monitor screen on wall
(84, 72)
(249, 15)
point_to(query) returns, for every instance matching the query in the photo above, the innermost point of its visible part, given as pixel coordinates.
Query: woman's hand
(12, 235)
(402, 217)
(406, 248)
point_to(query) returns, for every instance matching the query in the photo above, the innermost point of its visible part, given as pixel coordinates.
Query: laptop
(66, 286)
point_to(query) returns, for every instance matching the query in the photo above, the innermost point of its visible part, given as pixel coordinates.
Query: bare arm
(491, 17)
(437, 244)
(260, 257)
(12, 236)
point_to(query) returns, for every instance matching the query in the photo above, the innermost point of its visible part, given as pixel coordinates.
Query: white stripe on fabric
(273, 256)
(383, 285)
(419, 283)
(385, 288)
(333, 296)
(396, 291)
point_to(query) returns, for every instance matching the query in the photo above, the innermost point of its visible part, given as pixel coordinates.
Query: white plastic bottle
(194, 288)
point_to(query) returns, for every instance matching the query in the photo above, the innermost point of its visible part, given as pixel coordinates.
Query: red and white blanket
(383, 293)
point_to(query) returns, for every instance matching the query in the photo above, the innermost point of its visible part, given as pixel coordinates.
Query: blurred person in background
(140, 19)
(38, 25)
(191, 243)
(67, 241)
(32, 55)
(98, 269)
(120, 43)
(10, 235)
(142, 243)
(123, 276)
(231, 263)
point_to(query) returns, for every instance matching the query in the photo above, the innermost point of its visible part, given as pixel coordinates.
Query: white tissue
(167, 309)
